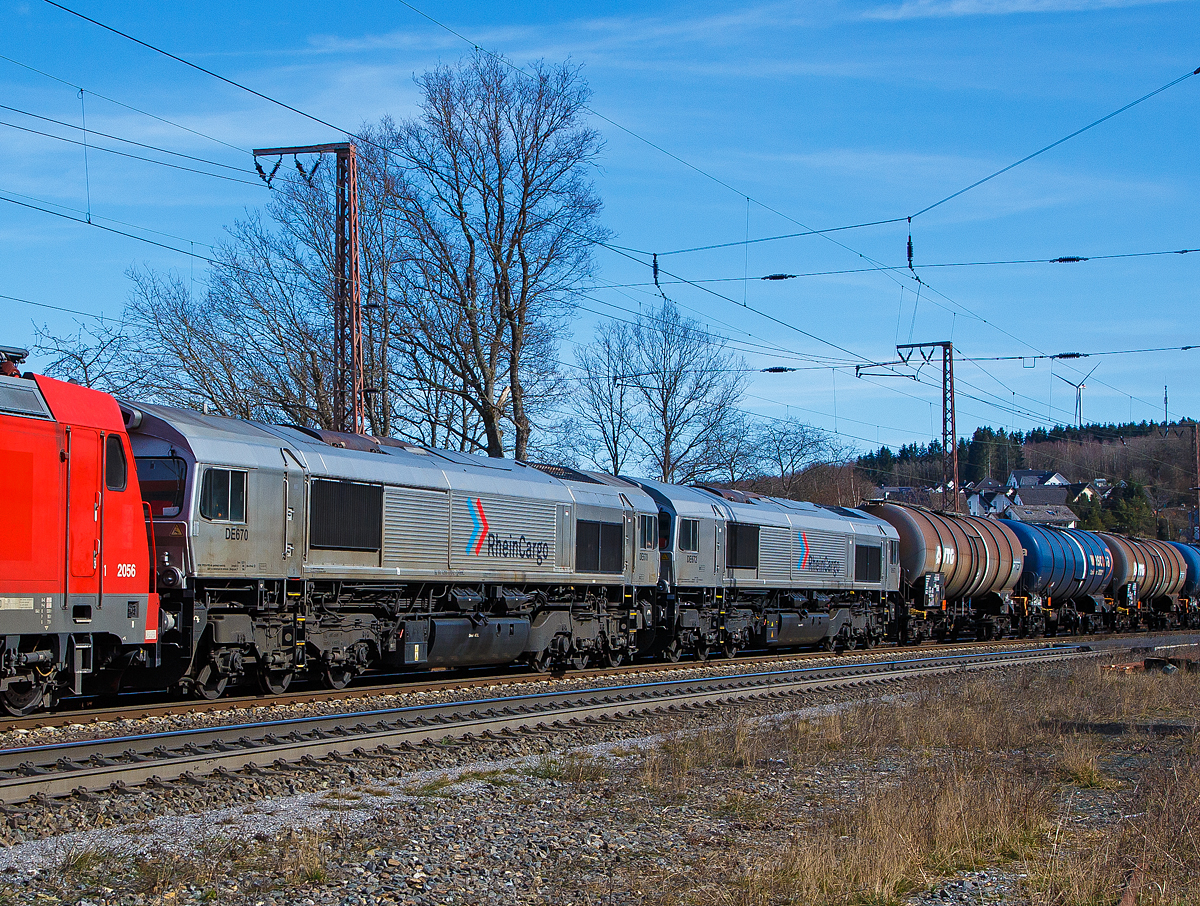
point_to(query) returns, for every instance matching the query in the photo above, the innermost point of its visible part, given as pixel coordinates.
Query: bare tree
(477, 224)
(606, 401)
(737, 452)
(97, 355)
(788, 447)
(498, 217)
(689, 385)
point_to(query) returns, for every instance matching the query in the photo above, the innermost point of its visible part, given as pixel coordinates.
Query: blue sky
(824, 114)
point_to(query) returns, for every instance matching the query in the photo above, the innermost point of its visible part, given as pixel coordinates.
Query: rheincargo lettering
(518, 548)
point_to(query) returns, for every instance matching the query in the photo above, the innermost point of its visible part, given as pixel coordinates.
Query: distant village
(1029, 495)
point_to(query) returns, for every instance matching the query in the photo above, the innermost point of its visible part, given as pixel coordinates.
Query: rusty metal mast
(949, 426)
(348, 397)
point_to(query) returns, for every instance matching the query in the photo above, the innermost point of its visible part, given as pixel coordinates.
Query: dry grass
(962, 773)
(935, 818)
(1079, 762)
(1154, 850)
(569, 769)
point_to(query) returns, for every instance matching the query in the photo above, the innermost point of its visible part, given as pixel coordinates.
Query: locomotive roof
(237, 443)
(692, 503)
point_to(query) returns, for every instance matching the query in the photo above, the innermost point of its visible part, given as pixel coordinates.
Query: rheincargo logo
(475, 507)
(520, 548)
(816, 564)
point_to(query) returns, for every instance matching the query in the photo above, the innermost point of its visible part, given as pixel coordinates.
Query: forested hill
(1143, 453)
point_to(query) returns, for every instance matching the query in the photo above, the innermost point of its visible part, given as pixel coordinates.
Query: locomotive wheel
(703, 652)
(22, 699)
(337, 677)
(540, 661)
(210, 685)
(613, 657)
(673, 652)
(275, 682)
(729, 649)
(580, 660)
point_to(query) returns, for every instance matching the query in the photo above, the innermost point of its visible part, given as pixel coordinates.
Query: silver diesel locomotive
(285, 551)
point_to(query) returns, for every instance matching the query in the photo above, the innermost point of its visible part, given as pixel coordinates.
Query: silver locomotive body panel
(433, 515)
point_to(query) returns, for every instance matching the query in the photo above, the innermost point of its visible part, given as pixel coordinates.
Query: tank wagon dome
(1062, 563)
(1191, 559)
(976, 556)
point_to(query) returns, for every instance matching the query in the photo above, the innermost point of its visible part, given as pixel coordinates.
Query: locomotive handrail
(152, 577)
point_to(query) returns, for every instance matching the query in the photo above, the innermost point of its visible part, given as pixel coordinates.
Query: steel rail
(136, 710)
(83, 767)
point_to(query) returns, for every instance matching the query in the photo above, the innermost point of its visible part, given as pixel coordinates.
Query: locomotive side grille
(774, 554)
(346, 515)
(416, 525)
(20, 397)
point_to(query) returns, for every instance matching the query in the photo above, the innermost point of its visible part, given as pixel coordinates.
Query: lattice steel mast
(348, 397)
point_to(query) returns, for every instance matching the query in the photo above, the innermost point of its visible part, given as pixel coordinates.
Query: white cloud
(943, 9)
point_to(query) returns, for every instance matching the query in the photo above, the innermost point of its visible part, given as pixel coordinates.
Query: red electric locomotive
(77, 587)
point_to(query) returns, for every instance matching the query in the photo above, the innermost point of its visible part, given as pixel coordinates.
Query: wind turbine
(1079, 388)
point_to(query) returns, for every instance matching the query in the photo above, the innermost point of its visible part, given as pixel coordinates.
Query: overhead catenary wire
(1055, 144)
(127, 141)
(129, 107)
(266, 97)
(135, 226)
(149, 160)
(1065, 259)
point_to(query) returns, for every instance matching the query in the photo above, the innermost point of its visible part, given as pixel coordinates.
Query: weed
(81, 860)
(430, 788)
(342, 794)
(1079, 763)
(570, 769)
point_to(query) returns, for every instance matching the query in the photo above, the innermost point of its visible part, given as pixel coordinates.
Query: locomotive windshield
(162, 479)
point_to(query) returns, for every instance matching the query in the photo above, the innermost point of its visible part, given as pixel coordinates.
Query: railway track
(230, 753)
(84, 711)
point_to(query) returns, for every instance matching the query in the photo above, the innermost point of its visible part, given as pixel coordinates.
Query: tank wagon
(957, 574)
(1189, 594)
(1065, 575)
(1147, 578)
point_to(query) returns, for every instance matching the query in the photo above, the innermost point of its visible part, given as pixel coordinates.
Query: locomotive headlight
(170, 577)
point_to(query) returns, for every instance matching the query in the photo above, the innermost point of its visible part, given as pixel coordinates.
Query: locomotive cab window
(162, 480)
(689, 534)
(116, 467)
(648, 532)
(868, 563)
(223, 495)
(894, 552)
